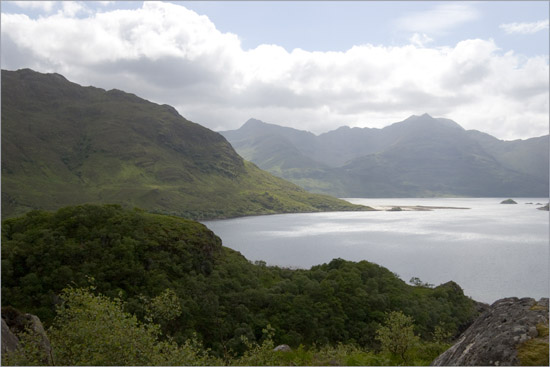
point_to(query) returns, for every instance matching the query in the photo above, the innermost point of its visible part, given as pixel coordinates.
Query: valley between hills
(104, 262)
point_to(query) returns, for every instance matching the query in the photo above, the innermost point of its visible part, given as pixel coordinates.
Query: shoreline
(417, 208)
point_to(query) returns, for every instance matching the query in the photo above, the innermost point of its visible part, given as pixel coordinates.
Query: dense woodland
(175, 273)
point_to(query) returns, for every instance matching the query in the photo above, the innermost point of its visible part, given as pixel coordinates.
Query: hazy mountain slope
(326, 150)
(420, 156)
(435, 157)
(345, 144)
(410, 170)
(528, 156)
(275, 147)
(276, 152)
(283, 151)
(64, 144)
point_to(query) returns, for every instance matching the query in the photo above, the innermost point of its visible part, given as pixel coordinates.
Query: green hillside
(221, 296)
(64, 144)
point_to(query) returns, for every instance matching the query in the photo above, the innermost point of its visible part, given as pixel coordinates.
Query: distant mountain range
(64, 144)
(421, 156)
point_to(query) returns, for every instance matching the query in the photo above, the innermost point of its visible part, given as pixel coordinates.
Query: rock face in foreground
(14, 323)
(509, 325)
(10, 342)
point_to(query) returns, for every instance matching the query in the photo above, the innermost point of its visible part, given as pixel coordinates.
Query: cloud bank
(168, 54)
(525, 28)
(440, 19)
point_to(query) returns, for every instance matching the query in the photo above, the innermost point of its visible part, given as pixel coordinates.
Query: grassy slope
(63, 144)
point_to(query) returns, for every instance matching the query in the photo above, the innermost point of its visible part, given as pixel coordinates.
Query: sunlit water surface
(491, 250)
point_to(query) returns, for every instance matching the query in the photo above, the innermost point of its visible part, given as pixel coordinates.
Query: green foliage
(397, 335)
(29, 353)
(94, 330)
(441, 335)
(125, 251)
(165, 307)
(259, 354)
(348, 355)
(419, 283)
(175, 273)
(91, 329)
(339, 355)
(534, 352)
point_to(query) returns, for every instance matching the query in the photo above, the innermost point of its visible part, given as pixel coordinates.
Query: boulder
(9, 341)
(35, 326)
(496, 335)
(544, 207)
(282, 348)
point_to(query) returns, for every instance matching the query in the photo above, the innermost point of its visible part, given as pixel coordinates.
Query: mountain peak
(427, 120)
(424, 116)
(253, 122)
(258, 126)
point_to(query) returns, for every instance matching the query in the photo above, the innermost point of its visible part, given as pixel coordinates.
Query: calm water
(492, 250)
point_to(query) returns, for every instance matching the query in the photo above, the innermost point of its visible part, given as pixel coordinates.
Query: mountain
(276, 147)
(64, 144)
(421, 156)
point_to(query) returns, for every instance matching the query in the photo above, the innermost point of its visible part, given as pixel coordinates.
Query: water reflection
(491, 250)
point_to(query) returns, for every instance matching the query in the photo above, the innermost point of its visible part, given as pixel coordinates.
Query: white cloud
(441, 18)
(525, 28)
(72, 8)
(169, 54)
(420, 39)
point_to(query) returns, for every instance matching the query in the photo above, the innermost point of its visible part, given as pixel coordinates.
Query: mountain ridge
(450, 160)
(64, 144)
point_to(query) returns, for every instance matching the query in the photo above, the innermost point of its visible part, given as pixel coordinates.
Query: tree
(91, 329)
(397, 335)
(419, 283)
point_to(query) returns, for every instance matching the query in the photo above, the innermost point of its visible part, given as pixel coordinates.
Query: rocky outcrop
(9, 341)
(14, 323)
(496, 336)
(508, 201)
(544, 207)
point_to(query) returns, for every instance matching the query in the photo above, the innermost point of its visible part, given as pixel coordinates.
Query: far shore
(412, 207)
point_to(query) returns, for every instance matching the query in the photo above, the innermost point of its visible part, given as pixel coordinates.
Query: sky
(311, 65)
